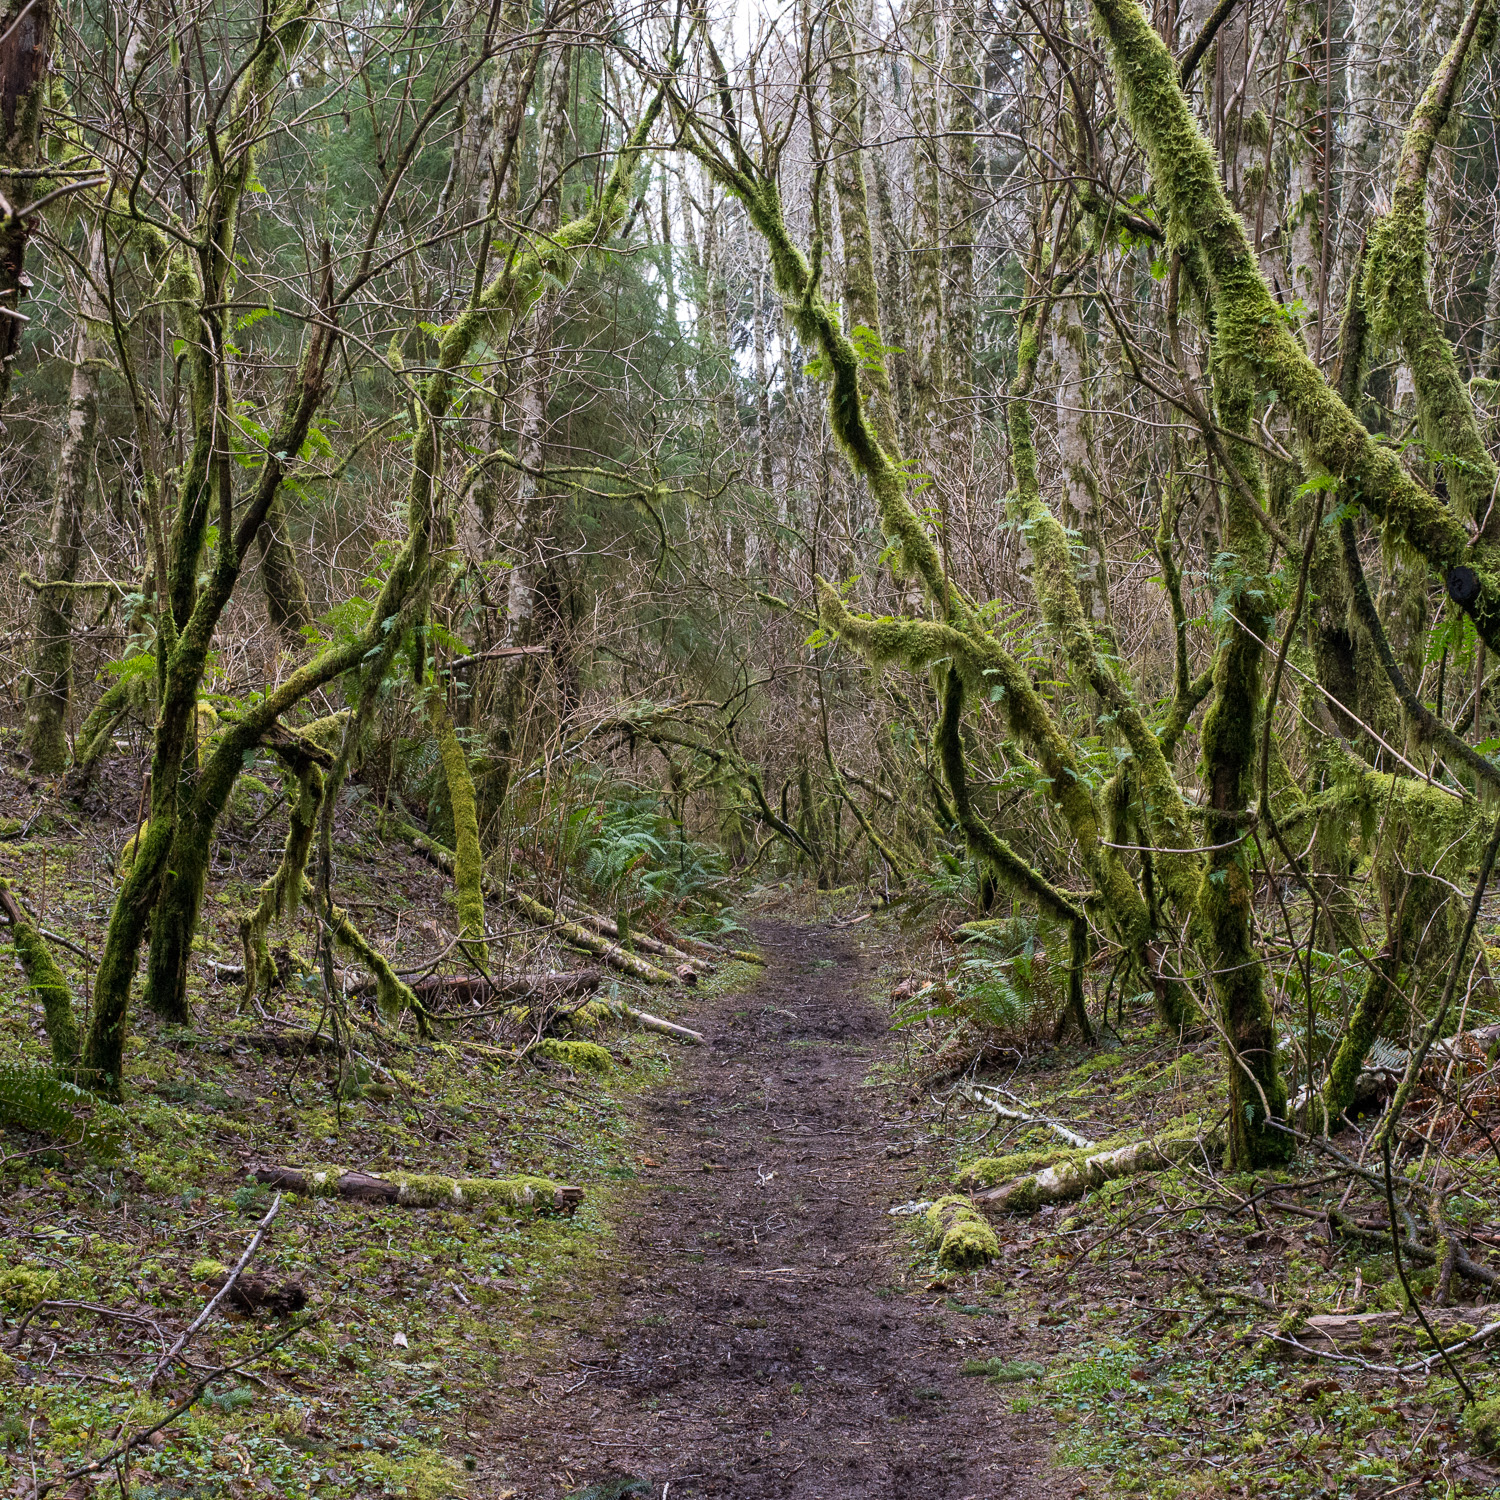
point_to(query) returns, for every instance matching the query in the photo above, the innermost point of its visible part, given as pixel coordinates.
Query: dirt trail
(763, 1344)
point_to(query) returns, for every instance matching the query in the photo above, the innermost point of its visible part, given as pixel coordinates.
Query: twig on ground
(218, 1296)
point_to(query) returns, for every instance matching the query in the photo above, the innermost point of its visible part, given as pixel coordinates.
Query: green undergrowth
(1136, 1321)
(424, 1314)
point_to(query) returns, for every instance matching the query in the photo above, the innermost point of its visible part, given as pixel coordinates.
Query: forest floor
(735, 1310)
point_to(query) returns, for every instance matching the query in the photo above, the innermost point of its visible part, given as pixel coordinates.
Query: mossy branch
(468, 862)
(1254, 338)
(45, 980)
(1395, 285)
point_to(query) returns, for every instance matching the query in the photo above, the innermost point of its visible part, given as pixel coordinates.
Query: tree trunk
(927, 234)
(862, 310)
(1080, 508)
(529, 544)
(50, 690)
(26, 26)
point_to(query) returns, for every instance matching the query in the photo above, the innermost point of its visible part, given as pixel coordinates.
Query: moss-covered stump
(581, 1057)
(421, 1190)
(1077, 1172)
(961, 1238)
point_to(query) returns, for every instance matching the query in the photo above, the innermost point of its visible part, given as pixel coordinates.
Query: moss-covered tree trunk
(1257, 1095)
(861, 295)
(50, 689)
(287, 602)
(468, 863)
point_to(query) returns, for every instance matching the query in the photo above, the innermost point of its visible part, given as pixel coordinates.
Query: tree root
(416, 1190)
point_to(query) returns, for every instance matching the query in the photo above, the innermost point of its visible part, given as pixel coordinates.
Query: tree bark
(26, 26)
(50, 690)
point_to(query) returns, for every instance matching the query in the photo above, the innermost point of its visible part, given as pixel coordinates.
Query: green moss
(22, 1287)
(206, 1269)
(960, 1235)
(990, 1171)
(424, 1475)
(581, 1057)
(1250, 334)
(468, 860)
(280, 892)
(47, 982)
(130, 848)
(1482, 1420)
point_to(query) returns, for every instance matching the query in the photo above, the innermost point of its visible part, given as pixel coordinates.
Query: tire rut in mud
(763, 1344)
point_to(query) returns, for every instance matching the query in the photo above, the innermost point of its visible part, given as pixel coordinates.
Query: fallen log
(535, 911)
(580, 937)
(687, 970)
(715, 950)
(648, 1022)
(420, 1190)
(1075, 1175)
(522, 989)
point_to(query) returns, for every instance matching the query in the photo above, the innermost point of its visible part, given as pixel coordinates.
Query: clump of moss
(423, 1475)
(1483, 1421)
(589, 1017)
(207, 1268)
(581, 1057)
(126, 857)
(22, 1287)
(999, 1371)
(960, 1235)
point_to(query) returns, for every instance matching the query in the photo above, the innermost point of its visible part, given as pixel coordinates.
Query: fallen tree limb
(224, 1290)
(976, 1094)
(417, 1190)
(535, 911)
(648, 1022)
(608, 927)
(1074, 1176)
(463, 989)
(580, 937)
(714, 950)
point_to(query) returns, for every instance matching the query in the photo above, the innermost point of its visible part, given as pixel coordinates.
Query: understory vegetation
(496, 496)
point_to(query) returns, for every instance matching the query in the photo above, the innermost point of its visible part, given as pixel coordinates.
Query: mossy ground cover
(1137, 1316)
(421, 1314)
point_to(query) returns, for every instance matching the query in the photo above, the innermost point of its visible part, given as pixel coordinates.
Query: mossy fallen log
(476, 990)
(688, 971)
(536, 911)
(1076, 1172)
(580, 937)
(714, 950)
(960, 1236)
(422, 1190)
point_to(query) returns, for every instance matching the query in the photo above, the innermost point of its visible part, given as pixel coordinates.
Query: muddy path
(761, 1340)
